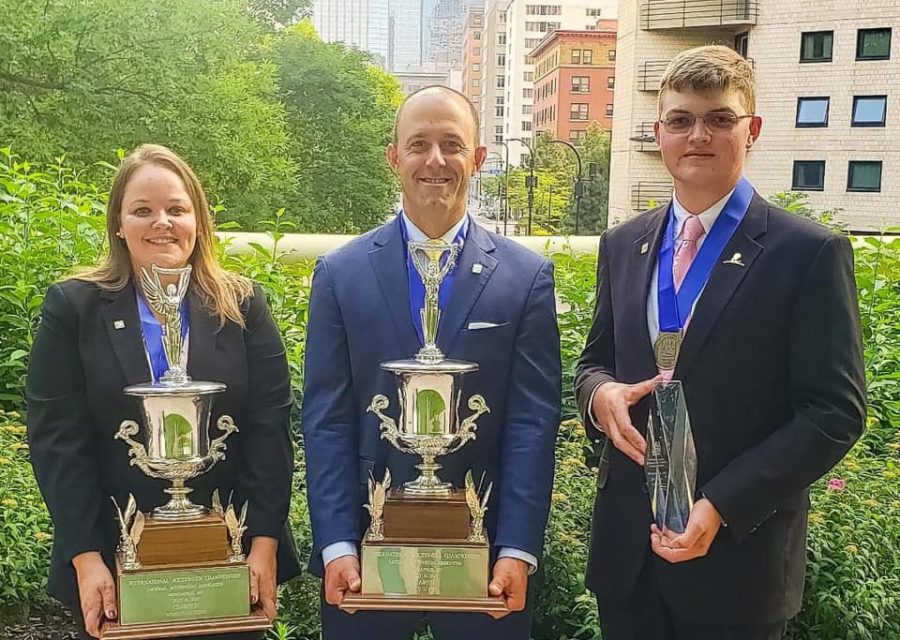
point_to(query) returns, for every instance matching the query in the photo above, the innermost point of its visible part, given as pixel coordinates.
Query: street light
(530, 181)
(506, 185)
(579, 187)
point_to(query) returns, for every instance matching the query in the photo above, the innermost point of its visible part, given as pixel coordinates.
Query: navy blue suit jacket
(359, 316)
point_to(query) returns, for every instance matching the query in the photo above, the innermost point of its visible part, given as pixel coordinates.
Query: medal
(666, 348)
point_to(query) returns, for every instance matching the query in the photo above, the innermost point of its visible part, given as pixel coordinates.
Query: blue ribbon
(417, 287)
(152, 331)
(675, 308)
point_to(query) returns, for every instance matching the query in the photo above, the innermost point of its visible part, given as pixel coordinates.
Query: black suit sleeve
(827, 382)
(266, 453)
(60, 436)
(597, 363)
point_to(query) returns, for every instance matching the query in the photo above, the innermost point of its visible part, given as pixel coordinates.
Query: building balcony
(683, 14)
(650, 73)
(643, 136)
(648, 194)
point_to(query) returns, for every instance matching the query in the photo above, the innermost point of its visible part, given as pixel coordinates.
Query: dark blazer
(80, 362)
(773, 376)
(359, 316)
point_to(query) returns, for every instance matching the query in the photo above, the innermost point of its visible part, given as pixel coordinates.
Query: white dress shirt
(348, 548)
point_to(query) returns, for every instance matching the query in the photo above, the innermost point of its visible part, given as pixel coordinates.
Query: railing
(678, 14)
(645, 195)
(650, 72)
(644, 137)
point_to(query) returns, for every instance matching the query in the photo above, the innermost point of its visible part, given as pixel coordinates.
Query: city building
(828, 92)
(412, 81)
(528, 22)
(363, 24)
(405, 34)
(574, 81)
(493, 80)
(471, 56)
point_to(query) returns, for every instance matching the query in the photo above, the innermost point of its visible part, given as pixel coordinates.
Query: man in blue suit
(498, 310)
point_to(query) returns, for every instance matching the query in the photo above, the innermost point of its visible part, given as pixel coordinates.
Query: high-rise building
(357, 23)
(493, 80)
(406, 34)
(574, 79)
(529, 22)
(471, 67)
(827, 91)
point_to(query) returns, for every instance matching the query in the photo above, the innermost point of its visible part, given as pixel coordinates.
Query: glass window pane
(816, 45)
(812, 111)
(869, 110)
(873, 43)
(809, 175)
(865, 176)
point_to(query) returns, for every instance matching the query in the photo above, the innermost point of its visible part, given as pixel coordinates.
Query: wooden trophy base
(256, 621)
(425, 561)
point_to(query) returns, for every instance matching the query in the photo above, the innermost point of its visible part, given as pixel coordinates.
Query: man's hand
(341, 576)
(611, 403)
(263, 565)
(510, 580)
(702, 527)
(96, 591)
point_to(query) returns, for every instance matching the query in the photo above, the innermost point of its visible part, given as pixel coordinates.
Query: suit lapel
(742, 250)
(388, 260)
(467, 285)
(123, 325)
(202, 336)
(639, 270)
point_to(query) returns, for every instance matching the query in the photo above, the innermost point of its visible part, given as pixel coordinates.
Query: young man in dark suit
(499, 312)
(762, 306)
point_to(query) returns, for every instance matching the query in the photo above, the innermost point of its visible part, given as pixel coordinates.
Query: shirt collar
(414, 234)
(707, 218)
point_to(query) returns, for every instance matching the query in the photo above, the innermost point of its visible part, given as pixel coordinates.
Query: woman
(98, 335)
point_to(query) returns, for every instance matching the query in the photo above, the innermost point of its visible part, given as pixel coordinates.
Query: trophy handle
(468, 427)
(136, 451)
(388, 426)
(217, 447)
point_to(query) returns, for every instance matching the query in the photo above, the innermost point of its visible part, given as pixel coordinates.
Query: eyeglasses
(684, 122)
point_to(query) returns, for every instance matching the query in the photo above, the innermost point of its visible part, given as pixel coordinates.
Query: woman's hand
(263, 565)
(96, 591)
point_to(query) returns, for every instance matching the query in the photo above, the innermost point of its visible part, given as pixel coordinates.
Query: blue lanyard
(417, 287)
(674, 309)
(152, 332)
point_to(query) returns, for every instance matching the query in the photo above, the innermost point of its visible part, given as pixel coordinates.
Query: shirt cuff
(338, 550)
(511, 552)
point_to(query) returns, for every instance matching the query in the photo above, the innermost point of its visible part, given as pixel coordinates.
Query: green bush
(51, 221)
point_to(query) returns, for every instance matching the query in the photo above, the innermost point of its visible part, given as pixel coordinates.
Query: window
(501, 82)
(500, 100)
(609, 109)
(476, 51)
(869, 111)
(809, 175)
(611, 82)
(523, 159)
(476, 67)
(476, 99)
(501, 38)
(501, 59)
(498, 130)
(528, 76)
(498, 112)
(742, 42)
(526, 109)
(593, 13)
(581, 84)
(498, 139)
(526, 125)
(587, 56)
(531, 43)
(815, 46)
(578, 111)
(527, 92)
(577, 137)
(864, 176)
(476, 35)
(611, 55)
(812, 112)
(873, 44)
(476, 82)
(576, 56)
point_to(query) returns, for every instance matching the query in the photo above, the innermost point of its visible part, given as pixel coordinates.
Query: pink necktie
(691, 232)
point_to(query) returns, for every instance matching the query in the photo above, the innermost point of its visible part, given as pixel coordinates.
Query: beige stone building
(471, 62)
(828, 92)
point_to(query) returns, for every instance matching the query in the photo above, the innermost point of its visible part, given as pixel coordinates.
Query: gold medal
(666, 348)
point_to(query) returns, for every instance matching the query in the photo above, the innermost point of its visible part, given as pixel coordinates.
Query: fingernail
(111, 614)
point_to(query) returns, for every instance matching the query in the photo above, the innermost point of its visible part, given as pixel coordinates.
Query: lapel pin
(477, 267)
(645, 248)
(735, 259)
(119, 324)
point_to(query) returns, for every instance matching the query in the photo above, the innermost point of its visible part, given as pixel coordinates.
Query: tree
(276, 14)
(86, 78)
(340, 113)
(594, 208)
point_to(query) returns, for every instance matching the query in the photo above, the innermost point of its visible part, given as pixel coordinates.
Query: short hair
(453, 93)
(713, 67)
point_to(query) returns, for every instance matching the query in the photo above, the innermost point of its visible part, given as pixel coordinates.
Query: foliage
(594, 208)
(797, 202)
(96, 75)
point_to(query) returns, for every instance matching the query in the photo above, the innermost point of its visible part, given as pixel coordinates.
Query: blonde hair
(713, 67)
(220, 291)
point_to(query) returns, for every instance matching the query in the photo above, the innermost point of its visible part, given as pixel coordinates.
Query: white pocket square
(485, 325)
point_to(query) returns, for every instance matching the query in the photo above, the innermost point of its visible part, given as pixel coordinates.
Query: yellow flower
(41, 536)
(871, 503)
(14, 414)
(559, 497)
(4, 460)
(13, 428)
(852, 548)
(15, 446)
(816, 517)
(9, 502)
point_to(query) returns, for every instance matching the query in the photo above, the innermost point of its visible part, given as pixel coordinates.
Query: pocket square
(485, 325)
